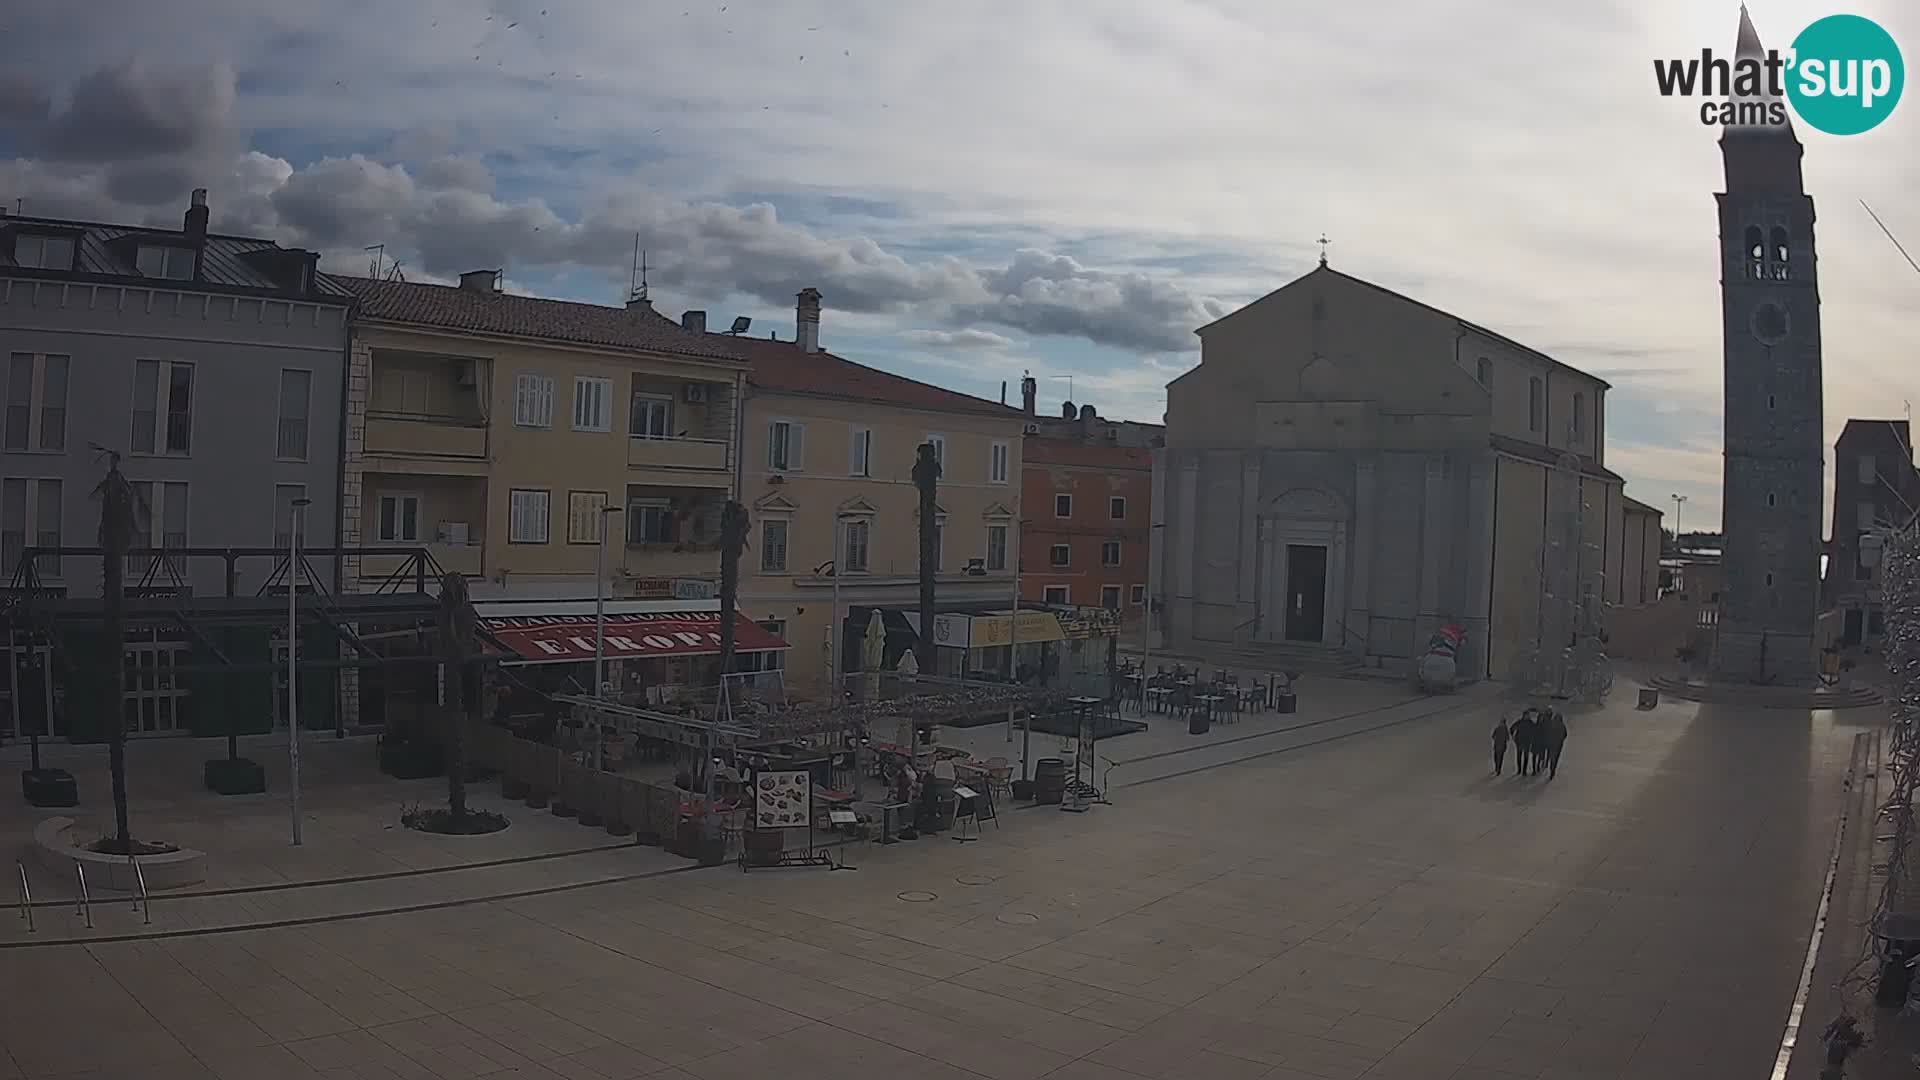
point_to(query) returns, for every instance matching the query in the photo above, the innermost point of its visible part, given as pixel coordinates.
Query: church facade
(1348, 470)
(1775, 443)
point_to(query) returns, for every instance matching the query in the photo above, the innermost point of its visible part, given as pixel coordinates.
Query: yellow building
(499, 432)
(829, 445)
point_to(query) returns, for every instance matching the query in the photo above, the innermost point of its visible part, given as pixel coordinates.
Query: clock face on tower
(1770, 324)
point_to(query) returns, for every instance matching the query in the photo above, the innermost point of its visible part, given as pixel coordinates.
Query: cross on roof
(1323, 242)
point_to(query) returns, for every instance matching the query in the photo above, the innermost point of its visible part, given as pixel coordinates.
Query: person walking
(1500, 737)
(1523, 742)
(1555, 740)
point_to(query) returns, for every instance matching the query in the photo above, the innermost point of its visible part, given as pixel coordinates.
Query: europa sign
(548, 639)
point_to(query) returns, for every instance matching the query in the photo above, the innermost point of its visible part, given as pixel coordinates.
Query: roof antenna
(377, 252)
(637, 283)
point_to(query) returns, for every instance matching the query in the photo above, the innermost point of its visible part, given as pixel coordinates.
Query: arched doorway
(1303, 568)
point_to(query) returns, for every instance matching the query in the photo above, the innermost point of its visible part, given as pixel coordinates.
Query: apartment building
(1086, 541)
(504, 433)
(827, 477)
(214, 365)
(1875, 486)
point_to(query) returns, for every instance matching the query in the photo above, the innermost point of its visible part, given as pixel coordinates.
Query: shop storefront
(653, 650)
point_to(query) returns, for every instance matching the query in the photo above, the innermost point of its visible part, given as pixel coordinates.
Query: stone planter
(49, 787)
(234, 776)
(54, 847)
(412, 760)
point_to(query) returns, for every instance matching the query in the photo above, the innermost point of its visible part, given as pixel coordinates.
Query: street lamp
(1678, 502)
(600, 627)
(1146, 622)
(296, 516)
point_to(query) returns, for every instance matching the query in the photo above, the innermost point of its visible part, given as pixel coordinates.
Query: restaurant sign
(674, 589)
(1090, 622)
(989, 631)
(550, 639)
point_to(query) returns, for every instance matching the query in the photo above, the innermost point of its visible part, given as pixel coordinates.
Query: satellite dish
(740, 324)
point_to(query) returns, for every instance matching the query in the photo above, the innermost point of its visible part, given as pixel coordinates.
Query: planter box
(513, 789)
(234, 776)
(412, 761)
(49, 787)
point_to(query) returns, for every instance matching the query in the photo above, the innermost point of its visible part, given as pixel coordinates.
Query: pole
(293, 667)
(599, 633)
(1146, 622)
(833, 627)
(1013, 639)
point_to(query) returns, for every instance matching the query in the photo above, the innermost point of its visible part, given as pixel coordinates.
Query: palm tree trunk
(116, 531)
(456, 641)
(733, 541)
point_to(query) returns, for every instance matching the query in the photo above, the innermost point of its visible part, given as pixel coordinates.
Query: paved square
(1372, 906)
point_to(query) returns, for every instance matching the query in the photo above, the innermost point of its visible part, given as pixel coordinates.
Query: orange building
(1085, 523)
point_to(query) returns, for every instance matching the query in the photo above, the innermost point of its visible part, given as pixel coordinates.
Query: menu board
(782, 800)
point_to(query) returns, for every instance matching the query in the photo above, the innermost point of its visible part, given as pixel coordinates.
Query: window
(527, 516)
(43, 252)
(858, 541)
(533, 401)
(161, 512)
(996, 547)
(1058, 594)
(1483, 371)
(939, 542)
(1060, 555)
(650, 416)
(1867, 475)
(21, 430)
(939, 450)
(1137, 595)
(1769, 401)
(773, 545)
(786, 446)
(649, 520)
(162, 407)
(399, 517)
(773, 660)
(1063, 506)
(1769, 498)
(295, 388)
(998, 455)
(585, 511)
(1117, 508)
(860, 453)
(1110, 553)
(592, 403)
(165, 261)
(1110, 597)
(1579, 414)
(284, 514)
(1861, 571)
(1769, 581)
(38, 520)
(1865, 515)
(1536, 403)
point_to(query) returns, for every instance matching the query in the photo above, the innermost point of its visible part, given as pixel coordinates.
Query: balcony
(683, 462)
(439, 439)
(671, 561)
(452, 558)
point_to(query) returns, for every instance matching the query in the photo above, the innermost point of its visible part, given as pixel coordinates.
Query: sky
(990, 188)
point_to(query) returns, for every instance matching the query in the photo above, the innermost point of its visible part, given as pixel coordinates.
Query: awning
(567, 635)
(988, 631)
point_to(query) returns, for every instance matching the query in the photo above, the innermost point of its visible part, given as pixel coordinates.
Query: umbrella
(873, 653)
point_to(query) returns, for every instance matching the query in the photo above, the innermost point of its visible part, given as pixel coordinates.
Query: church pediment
(858, 507)
(996, 512)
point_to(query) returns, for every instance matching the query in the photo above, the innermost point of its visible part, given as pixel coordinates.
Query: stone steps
(1767, 697)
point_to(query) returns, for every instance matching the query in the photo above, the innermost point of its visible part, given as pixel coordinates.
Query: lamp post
(1146, 620)
(1678, 502)
(296, 518)
(600, 628)
(833, 621)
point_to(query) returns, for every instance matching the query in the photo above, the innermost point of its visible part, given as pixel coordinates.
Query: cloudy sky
(984, 188)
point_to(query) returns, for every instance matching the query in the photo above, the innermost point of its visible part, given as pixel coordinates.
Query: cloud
(956, 339)
(136, 111)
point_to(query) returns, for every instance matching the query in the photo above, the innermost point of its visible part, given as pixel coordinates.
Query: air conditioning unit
(469, 372)
(694, 393)
(1033, 429)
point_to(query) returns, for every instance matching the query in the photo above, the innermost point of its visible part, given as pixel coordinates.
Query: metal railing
(84, 905)
(26, 895)
(142, 901)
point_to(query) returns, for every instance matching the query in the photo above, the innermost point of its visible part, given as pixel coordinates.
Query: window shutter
(773, 446)
(797, 447)
(546, 402)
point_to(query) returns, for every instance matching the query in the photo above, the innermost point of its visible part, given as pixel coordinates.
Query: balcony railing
(417, 434)
(701, 455)
(452, 558)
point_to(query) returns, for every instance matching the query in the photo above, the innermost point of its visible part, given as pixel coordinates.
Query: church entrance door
(1306, 592)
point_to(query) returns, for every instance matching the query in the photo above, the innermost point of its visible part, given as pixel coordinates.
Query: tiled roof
(782, 367)
(109, 251)
(1044, 451)
(453, 308)
(1546, 456)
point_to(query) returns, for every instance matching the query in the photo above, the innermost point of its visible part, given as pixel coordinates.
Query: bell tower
(1775, 441)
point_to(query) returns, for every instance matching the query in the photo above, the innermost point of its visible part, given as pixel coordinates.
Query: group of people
(1537, 736)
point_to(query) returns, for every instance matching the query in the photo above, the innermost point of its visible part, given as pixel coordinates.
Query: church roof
(1634, 505)
(1542, 455)
(1464, 324)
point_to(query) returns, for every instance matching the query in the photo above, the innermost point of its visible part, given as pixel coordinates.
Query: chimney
(1029, 393)
(807, 321)
(196, 222)
(694, 321)
(1067, 411)
(480, 281)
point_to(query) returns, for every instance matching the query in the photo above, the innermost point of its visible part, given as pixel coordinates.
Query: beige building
(828, 447)
(501, 432)
(1349, 470)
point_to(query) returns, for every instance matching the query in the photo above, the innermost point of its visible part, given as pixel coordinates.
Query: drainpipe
(347, 318)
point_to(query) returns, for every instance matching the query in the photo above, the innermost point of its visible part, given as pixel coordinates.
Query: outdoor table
(1157, 697)
(1209, 702)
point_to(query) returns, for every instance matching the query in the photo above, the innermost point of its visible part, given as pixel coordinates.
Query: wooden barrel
(1049, 781)
(945, 802)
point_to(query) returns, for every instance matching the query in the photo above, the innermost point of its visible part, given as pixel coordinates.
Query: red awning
(552, 639)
